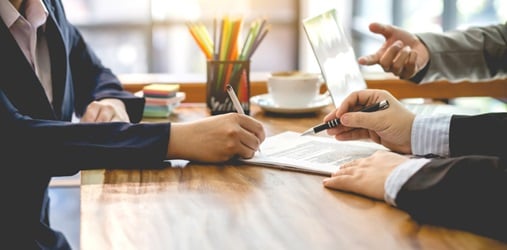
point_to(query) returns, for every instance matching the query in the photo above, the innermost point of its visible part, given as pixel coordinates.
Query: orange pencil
(199, 42)
(236, 30)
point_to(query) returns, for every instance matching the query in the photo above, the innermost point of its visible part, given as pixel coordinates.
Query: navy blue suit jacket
(38, 141)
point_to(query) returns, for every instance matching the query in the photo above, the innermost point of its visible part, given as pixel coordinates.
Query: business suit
(39, 142)
(475, 54)
(467, 190)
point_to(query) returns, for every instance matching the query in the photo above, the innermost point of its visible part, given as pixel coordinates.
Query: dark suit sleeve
(91, 79)
(34, 141)
(484, 134)
(54, 148)
(466, 191)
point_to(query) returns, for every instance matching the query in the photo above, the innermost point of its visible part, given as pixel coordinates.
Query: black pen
(335, 122)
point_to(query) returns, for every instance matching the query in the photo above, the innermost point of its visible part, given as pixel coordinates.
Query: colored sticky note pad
(161, 90)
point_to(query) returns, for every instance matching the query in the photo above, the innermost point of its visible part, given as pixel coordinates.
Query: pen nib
(308, 132)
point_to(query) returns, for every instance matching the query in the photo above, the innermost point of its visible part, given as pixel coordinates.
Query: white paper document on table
(313, 154)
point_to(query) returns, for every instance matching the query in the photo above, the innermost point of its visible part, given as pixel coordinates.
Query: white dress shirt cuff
(400, 176)
(430, 135)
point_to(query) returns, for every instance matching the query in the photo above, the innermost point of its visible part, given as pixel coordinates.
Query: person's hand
(106, 110)
(390, 127)
(216, 138)
(366, 176)
(403, 53)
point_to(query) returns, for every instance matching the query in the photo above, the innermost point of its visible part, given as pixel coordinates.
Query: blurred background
(151, 36)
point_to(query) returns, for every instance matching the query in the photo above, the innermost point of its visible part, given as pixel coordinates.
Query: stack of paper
(161, 99)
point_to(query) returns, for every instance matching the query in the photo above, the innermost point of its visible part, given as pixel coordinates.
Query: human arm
(63, 148)
(366, 176)
(106, 110)
(438, 135)
(429, 137)
(477, 53)
(87, 79)
(402, 53)
(390, 127)
(477, 144)
(99, 94)
(474, 54)
(465, 193)
(217, 138)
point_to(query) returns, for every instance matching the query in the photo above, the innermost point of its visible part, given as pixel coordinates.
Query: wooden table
(230, 206)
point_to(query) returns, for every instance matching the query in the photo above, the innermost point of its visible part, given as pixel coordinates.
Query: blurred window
(420, 16)
(426, 16)
(151, 36)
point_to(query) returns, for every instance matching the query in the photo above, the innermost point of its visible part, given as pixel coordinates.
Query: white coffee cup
(294, 89)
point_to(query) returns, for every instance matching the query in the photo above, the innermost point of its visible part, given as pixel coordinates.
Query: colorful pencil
(224, 47)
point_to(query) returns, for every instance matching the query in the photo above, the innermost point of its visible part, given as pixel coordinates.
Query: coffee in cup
(294, 89)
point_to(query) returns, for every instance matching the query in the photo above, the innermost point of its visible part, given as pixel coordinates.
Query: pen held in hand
(234, 99)
(335, 122)
(235, 102)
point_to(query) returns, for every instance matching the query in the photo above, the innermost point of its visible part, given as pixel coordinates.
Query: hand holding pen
(235, 102)
(234, 99)
(335, 122)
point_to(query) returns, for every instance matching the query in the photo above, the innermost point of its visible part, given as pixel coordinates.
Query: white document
(313, 154)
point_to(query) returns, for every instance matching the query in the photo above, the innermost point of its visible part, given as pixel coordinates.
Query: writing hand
(216, 139)
(403, 53)
(106, 110)
(366, 176)
(390, 127)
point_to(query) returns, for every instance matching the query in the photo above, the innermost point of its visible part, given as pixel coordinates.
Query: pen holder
(221, 73)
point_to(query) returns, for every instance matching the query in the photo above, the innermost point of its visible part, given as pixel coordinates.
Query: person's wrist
(424, 61)
(417, 78)
(116, 103)
(119, 108)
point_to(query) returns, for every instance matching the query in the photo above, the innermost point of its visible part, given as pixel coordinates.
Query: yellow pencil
(199, 41)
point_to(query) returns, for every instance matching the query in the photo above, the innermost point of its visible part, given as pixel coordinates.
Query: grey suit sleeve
(474, 54)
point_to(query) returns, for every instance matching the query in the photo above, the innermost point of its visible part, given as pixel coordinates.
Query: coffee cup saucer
(266, 102)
